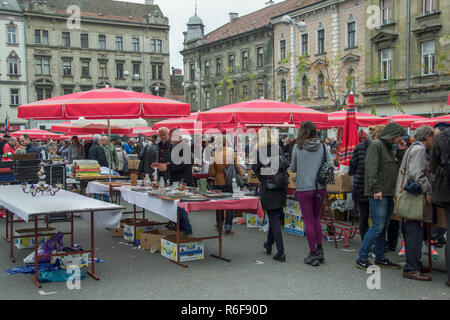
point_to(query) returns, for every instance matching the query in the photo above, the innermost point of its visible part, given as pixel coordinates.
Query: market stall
(99, 212)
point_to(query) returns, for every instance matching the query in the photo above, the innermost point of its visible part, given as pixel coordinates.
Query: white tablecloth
(25, 205)
(96, 188)
(164, 208)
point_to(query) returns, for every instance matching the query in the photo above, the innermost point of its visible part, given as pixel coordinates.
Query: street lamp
(302, 28)
(126, 74)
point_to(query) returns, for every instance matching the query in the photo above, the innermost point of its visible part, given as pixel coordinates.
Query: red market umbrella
(337, 119)
(80, 137)
(36, 134)
(430, 122)
(405, 120)
(192, 122)
(105, 103)
(350, 137)
(262, 111)
(69, 128)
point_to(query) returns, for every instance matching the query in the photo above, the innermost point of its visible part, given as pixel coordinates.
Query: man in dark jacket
(25, 141)
(164, 151)
(148, 156)
(382, 166)
(440, 167)
(96, 152)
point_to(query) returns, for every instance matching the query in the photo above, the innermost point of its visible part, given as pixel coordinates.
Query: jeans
(229, 213)
(185, 224)
(311, 204)
(381, 212)
(363, 218)
(274, 235)
(105, 197)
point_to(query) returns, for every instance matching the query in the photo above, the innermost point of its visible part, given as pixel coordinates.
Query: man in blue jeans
(382, 167)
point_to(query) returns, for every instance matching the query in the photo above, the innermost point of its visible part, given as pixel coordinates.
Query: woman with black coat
(272, 201)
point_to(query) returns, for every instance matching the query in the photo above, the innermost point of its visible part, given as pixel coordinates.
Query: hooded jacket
(357, 170)
(383, 163)
(306, 163)
(441, 153)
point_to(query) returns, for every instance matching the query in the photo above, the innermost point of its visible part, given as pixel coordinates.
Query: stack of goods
(82, 170)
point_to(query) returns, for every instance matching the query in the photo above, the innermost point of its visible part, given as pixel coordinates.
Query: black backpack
(326, 171)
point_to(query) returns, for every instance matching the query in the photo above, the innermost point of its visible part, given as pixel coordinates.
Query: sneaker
(312, 260)
(280, 256)
(228, 233)
(320, 255)
(402, 250)
(373, 255)
(386, 263)
(363, 264)
(268, 248)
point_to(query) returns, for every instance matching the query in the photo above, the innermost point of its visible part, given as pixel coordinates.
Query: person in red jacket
(9, 149)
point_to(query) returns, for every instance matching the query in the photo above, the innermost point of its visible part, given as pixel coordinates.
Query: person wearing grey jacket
(76, 150)
(415, 169)
(307, 157)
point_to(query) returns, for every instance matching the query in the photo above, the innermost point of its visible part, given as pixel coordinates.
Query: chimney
(150, 2)
(233, 16)
(269, 3)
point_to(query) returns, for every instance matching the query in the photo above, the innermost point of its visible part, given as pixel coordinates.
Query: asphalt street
(132, 273)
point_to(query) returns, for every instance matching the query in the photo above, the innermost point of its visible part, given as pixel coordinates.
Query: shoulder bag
(326, 171)
(407, 205)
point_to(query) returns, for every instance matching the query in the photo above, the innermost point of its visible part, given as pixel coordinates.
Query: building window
(232, 96)
(41, 37)
(245, 94)
(321, 41)
(137, 68)
(13, 63)
(206, 69)
(429, 6)
(135, 44)
(260, 57)
(282, 49)
(160, 72)
(231, 62)
(386, 11)
(119, 70)
(68, 91)
(283, 90)
(305, 87)
(67, 68)
(14, 94)
(321, 85)
(84, 41)
(207, 99)
(85, 69)
(153, 45)
(305, 44)
(154, 72)
(260, 90)
(66, 39)
(12, 35)
(102, 42)
(43, 66)
(428, 57)
(245, 60)
(43, 93)
(103, 70)
(386, 63)
(119, 43)
(192, 72)
(351, 35)
(159, 46)
(218, 66)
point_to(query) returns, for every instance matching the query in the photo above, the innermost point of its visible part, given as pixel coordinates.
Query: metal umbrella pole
(109, 161)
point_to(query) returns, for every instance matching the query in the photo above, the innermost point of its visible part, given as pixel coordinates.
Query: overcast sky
(214, 14)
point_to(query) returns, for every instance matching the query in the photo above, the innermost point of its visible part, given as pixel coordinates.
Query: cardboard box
(294, 224)
(141, 226)
(292, 178)
(252, 178)
(253, 221)
(188, 251)
(74, 260)
(133, 164)
(343, 184)
(130, 221)
(152, 239)
(293, 207)
(28, 242)
(118, 232)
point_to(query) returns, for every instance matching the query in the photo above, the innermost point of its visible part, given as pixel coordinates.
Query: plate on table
(218, 195)
(194, 199)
